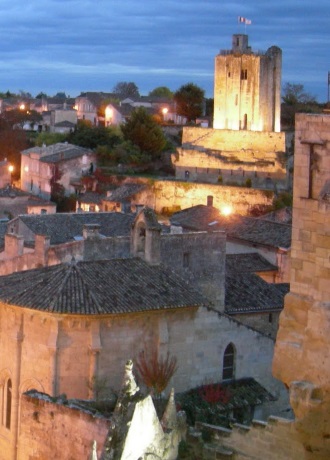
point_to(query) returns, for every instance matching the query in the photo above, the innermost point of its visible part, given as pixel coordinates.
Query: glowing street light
(226, 210)
(11, 169)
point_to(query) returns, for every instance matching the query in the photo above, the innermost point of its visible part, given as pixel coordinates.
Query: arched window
(228, 367)
(8, 396)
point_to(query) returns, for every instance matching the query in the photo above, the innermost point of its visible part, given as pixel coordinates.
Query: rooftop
(249, 229)
(65, 227)
(248, 293)
(58, 152)
(250, 262)
(99, 288)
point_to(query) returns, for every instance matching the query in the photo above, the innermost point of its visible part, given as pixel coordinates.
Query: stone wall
(266, 323)
(165, 196)
(302, 358)
(274, 440)
(55, 431)
(246, 142)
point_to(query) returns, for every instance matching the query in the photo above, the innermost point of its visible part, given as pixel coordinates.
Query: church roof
(250, 262)
(248, 293)
(99, 287)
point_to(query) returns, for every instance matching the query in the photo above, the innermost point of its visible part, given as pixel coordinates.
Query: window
(8, 398)
(244, 74)
(228, 368)
(186, 259)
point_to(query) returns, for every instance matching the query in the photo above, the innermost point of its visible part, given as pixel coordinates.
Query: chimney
(14, 245)
(91, 231)
(41, 247)
(210, 200)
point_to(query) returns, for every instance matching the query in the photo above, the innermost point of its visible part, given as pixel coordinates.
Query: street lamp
(11, 169)
(164, 111)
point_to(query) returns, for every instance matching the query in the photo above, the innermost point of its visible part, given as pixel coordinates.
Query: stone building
(247, 88)
(245, 146)
(61, 162)
(69, 323)
(301, 358)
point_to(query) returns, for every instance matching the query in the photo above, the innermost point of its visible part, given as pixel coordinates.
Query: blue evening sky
(90, 45)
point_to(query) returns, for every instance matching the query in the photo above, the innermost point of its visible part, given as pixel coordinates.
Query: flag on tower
(244, 20)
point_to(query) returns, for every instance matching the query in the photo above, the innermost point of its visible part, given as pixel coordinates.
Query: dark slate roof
(249, 262)
(91, 198)
(248, 293)
(64, 227)
(124, 192)
(249, 229)
(97, 98)
(10, 191)
(65, 124)
(58, 152)
(196, 218)
(283, 215)
(99, 287)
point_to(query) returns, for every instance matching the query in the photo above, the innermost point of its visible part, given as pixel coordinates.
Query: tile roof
(124, 192)
(250, 229)
(91, 198)
(58, 152)
(64, 227)
(249, 262)
(99, 287)
(248, 293)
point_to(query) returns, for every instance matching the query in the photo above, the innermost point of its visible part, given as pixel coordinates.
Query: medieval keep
(247, 88)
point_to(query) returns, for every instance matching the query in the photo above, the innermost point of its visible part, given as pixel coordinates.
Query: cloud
(57, 44)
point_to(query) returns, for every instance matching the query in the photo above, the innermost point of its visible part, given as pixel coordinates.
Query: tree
(41, 95)
(142, 130)
(294, 94)
(161, 91)
(125, 89)
(189, 101)
(296, 99)
(89, 136)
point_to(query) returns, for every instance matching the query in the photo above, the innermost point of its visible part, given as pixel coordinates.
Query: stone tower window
(244, 74)
(228, 367)
(8, 396)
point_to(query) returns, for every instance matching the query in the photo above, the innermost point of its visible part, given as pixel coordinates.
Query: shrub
(155, 371)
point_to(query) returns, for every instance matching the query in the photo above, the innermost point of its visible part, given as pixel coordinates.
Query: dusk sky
(90, 45)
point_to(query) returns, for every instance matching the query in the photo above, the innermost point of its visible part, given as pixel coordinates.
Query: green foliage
(198, 409)
(161, 91)
(155, 371)
(50, 138)
(283, 200)
(189, 101)
(89, 136)
(143, 131)
(124, 89)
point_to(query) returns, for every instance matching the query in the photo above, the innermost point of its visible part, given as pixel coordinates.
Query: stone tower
(247, 88)
(302, 351)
